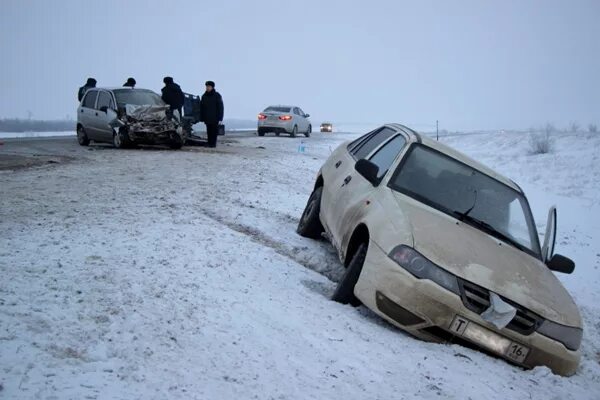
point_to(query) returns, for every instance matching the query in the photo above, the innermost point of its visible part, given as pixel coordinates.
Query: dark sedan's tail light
(285, 117)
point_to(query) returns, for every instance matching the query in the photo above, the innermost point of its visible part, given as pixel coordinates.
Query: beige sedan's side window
(385, 156)
(364, 148)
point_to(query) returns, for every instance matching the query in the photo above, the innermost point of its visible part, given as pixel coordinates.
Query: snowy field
(157, 274)
(10, 135)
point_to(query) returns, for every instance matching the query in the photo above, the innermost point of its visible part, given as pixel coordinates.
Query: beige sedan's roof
(442, 148)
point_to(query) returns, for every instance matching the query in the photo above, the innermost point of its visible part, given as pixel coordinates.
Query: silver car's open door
(550, 236)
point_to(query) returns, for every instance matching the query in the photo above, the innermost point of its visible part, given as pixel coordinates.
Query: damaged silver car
(127, 117)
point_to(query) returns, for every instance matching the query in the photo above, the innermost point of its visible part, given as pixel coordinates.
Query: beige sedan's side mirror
(562, 264)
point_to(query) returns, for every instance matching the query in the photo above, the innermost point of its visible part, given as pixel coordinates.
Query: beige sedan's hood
(482, 259)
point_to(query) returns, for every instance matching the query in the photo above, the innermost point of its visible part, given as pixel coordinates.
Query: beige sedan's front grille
(477, 299)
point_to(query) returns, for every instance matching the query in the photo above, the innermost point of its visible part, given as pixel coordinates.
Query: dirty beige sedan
(444, 248)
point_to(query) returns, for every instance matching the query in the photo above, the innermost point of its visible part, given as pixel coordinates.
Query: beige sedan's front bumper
(426, 310)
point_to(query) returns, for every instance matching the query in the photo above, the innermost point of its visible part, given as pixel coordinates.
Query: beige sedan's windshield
(471, 196)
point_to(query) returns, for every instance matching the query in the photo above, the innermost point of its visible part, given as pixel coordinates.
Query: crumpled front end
(152, 124)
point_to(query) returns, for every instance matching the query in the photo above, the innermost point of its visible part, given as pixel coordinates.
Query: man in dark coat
(130, 83)
(172, 94)
(91, 83)
(211, 112)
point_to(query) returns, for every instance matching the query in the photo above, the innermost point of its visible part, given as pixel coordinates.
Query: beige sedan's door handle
(347, 180)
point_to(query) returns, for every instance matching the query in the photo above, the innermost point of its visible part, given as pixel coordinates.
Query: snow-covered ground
(160, 274)
(8, 135)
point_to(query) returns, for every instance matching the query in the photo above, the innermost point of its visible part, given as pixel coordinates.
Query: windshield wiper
(489, 229)
(462, 215)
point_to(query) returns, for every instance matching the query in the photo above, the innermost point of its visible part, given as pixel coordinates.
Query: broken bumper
(145, 136)
(428, 311)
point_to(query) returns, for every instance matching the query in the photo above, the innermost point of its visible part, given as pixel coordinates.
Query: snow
(8, 135)
(159, 274)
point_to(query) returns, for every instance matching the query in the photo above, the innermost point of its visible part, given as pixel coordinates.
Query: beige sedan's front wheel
(344, 293)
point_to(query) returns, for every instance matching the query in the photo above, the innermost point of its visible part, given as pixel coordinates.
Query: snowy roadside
(12, 135)
(161, 274)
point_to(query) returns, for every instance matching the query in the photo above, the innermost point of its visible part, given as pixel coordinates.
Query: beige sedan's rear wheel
(344, 293)
(310, 225)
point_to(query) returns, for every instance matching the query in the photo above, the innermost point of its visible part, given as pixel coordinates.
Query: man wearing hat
(172, 94)
(130, 83)
(91, 83)
(211, 107)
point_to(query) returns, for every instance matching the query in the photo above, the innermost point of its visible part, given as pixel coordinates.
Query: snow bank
(7, 135)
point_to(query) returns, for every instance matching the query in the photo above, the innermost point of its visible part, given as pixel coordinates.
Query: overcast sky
(470, 64)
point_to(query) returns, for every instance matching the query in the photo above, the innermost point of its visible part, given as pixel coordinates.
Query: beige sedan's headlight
(409, 259)
(567, 335)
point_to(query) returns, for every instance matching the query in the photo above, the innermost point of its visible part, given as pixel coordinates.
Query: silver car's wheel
(307, 134)
(121, 139)
(176, 142)
(294, 131)
(82, 136)
(117, 140)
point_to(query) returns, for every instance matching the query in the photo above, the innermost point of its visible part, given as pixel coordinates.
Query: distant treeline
(33, 125)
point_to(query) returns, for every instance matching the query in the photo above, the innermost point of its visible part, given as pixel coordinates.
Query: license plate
(488, 339)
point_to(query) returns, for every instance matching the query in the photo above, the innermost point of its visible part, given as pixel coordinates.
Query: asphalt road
(19, 153)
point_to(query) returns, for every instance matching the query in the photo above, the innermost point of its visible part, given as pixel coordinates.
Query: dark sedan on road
(326, 127)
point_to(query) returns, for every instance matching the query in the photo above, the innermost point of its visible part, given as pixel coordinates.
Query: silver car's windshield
(455, 188)
(137, 97)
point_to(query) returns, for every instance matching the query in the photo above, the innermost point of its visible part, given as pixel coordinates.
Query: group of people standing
(211, 103)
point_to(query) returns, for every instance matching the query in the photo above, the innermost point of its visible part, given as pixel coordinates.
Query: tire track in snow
(324, 262)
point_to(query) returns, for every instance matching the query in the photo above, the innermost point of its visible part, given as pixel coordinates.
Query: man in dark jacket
(130, 83)
(172, 94)
(211, 112)
(91, 83)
